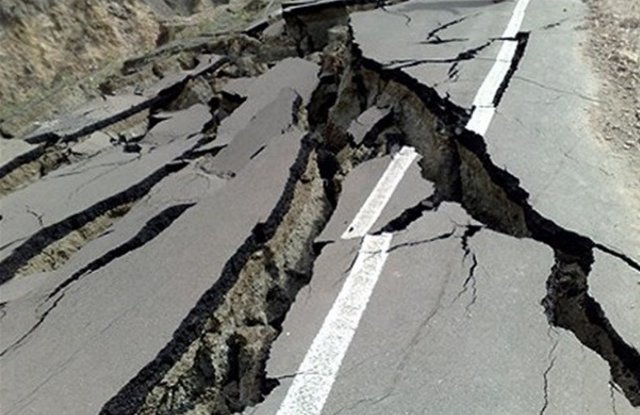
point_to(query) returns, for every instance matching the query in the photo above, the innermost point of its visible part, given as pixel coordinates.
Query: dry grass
(69, 41)
(52, 58)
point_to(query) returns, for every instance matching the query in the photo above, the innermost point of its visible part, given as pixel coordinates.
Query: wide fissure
(454, 159)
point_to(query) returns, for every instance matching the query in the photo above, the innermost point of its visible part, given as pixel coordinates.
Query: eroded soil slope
(55, 54)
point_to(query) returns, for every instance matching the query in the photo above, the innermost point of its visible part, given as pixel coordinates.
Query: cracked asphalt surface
(310, 219)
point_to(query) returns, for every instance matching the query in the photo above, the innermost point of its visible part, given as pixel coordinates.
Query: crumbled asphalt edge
(64, 241)
(31, 166)
(48, 235)
(132, 396)
(505, 208)
(151, 229)
(185, 375)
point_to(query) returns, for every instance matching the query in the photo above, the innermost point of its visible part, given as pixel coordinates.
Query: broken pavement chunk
(146, 295)
(206, 63)
(93, 144)
(369, 124)
(178, 125)
(143, 223)
(89, 118)
(238, 87)
(297, 74)
(273, 120)
(357, 188)
(616, 286)
(454, 70)
(293, 73)
(11, 149)
(111, 109)
(412, 191)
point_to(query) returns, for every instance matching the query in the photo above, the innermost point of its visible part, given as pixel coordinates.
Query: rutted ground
(214, 362)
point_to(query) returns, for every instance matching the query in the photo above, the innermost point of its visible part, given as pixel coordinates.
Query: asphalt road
(414, 305)
(442, 330)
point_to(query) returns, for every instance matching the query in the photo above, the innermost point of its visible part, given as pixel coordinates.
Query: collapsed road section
(187, 268)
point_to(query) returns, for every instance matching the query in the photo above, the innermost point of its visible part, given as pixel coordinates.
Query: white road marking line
(311, 387)
(480, 120)
(516, 19)
(486, 93)
(381, 193)
(317, 372)
(483, 101)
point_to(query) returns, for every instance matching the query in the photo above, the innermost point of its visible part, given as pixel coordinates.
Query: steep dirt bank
(51, 60)
(614, 51)
(42, 43)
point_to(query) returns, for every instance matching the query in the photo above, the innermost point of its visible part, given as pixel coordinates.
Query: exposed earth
(614, 48)
(48, 52)
(614, 51)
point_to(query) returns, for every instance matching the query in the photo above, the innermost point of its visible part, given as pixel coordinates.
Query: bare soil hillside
(614, 50)
(55, 54)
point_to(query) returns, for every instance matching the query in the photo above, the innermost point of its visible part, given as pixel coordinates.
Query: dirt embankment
(54, 54)
(614, 49)
(47, 42)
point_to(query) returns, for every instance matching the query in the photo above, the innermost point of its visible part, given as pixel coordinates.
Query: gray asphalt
(79, 186)
(407, 45)
(10, 149)
(553, 157)
(118, 317)
(432, 341)
(443, 331)
(121, 333)
(66, 184)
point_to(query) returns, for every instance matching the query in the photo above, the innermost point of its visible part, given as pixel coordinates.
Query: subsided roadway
(359, 241)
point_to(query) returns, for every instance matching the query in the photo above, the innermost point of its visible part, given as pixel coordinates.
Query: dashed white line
(310, 388)
(480, 120)
(486, 93)
(317, 372)
(381, 193)
(484, 109)
(516, 19)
